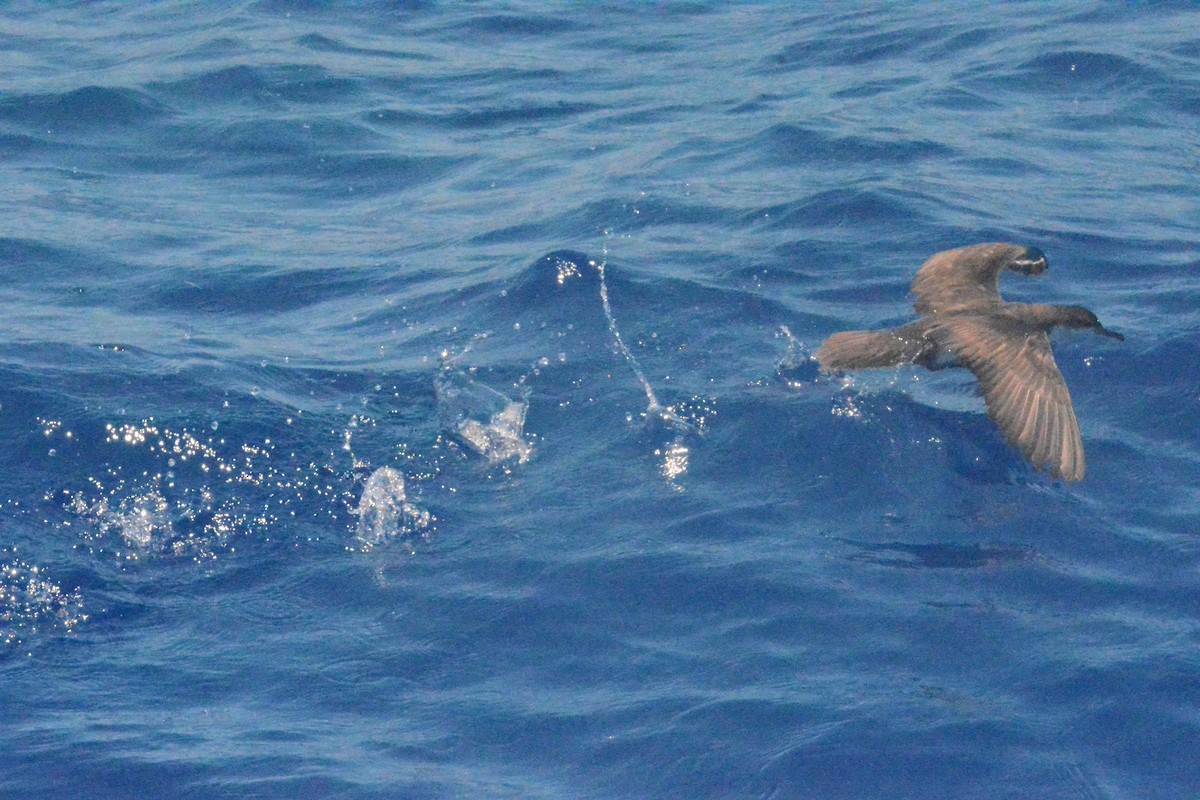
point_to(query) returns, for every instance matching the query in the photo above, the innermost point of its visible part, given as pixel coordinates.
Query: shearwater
(965, 323)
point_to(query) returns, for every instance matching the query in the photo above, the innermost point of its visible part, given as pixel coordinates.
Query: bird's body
(965, 323)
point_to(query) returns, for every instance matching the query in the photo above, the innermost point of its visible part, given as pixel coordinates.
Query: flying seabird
(964, 323)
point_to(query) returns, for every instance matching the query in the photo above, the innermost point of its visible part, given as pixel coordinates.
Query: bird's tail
(871, 349)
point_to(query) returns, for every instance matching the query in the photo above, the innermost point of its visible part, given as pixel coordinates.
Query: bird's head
(1026, 260)
(1082, 318)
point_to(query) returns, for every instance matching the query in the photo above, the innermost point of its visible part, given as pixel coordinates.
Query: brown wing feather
(964, 279)
(1025, 393)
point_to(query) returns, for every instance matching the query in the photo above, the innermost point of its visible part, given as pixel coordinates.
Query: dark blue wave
(80, 111)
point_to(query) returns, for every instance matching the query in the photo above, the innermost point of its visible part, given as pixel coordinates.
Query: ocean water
(414, 400)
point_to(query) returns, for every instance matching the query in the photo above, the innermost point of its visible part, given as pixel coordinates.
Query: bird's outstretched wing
(968, 278)
(1025, 393)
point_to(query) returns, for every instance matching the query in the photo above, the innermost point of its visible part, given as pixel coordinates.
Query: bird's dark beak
(1110, 334)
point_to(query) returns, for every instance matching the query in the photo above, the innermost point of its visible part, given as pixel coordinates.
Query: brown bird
(964, 323)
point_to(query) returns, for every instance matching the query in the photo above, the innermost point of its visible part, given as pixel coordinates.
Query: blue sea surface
(415, 400)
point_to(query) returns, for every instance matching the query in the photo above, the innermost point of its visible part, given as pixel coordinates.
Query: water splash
(678, 421)
(135, 520)
(140, 519)
(487, 421)
(654, 409)
(30, 604)
(491, 423)
(186, 493)
(797, 367)
(384, 511)
(502, 437)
